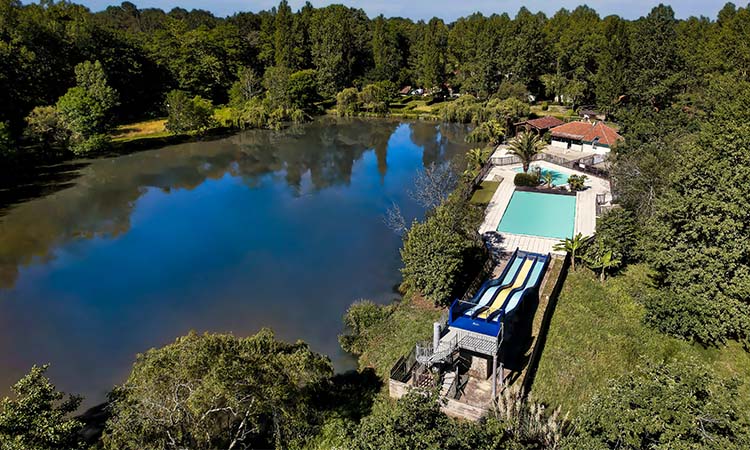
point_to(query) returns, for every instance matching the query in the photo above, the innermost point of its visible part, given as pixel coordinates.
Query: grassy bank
(141, 130)
(597, 334)
(409, 322)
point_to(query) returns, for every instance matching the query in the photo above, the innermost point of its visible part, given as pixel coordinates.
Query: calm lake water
(260, 229)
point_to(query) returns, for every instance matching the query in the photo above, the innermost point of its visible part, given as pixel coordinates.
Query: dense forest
(298, 58)
(678, 89)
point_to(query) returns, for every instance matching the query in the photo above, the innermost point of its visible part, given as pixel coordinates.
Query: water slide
(501, 296)
(487, 294)
(533, 281)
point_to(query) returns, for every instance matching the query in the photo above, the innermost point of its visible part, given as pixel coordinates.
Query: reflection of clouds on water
(100, 201)
(262, 228)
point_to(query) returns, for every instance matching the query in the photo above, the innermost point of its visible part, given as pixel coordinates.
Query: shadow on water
(25, 184)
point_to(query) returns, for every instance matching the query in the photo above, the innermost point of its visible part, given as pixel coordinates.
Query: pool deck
(585, 217)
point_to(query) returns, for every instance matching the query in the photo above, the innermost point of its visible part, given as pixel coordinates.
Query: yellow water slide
(502, 295)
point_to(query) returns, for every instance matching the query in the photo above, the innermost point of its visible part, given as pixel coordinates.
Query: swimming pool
(537, 214)
(558, 178)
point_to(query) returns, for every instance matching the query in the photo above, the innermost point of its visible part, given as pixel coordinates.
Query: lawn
(597, 334)
(484, 192)
(147, 129)
(409, 323)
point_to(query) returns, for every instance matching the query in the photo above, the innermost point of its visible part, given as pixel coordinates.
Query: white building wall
(564, 145)
(599, 150)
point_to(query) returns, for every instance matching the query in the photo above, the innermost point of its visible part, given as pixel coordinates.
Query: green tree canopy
(86, 108)
(217, 391)
(38, 416)
(676, 405)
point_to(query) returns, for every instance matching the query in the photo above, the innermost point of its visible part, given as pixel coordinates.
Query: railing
(426, 354)
(401, 371)
(504, 160)
(423, 377)
(584, 164)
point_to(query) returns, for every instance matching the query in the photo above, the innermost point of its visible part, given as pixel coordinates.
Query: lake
(259, 229)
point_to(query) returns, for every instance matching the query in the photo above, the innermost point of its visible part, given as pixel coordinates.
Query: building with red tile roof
(540, 125)
(593, 137)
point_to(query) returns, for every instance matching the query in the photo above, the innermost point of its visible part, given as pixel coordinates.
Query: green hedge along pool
(537, 214)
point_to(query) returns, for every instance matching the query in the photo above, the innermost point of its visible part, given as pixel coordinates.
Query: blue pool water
(558, 178)
(537, 214)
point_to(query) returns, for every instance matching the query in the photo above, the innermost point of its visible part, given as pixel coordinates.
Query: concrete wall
(452, 407)
(599, 150)
(564, 145)
(397, 389)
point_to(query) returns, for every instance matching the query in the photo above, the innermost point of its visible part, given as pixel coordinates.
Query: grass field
(484, 192)
(410, 322)
(597, 334)
(147, 129)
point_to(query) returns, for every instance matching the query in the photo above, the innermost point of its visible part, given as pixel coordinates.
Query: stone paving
(585, 217)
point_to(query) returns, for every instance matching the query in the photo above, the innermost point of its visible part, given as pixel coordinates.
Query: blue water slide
(489, 294)
(537, 273)
(532, 282)
(518, 292)
(458, 308)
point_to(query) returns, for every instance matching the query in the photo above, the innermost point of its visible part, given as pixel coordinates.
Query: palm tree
(475, 158)
(604, 260)
(526, 146)
(572, 245)
(548, 178)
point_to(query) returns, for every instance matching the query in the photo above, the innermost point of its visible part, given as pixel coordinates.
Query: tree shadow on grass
(348, 395)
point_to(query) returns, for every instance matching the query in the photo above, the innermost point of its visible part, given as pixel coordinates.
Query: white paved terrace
(585, 217)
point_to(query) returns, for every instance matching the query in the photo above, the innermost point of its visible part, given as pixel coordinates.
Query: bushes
(361, 316)
(530, 179)
(374, 98)
(347, 102)
(439, 253)
(6, 142)
(681, 404)
(188, 115)
(86, 109)
(577, 182)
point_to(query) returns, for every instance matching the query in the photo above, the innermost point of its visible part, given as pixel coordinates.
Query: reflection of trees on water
(102, 200)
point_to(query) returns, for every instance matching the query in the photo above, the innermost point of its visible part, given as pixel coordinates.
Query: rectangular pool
(537, 214)
(558, 178)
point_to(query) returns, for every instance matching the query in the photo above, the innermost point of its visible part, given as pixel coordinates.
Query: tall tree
(530, 53)
(614, 58)
(432, 54)
(340, 46)
(655, 66)
(385, 50)
(284, 36)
